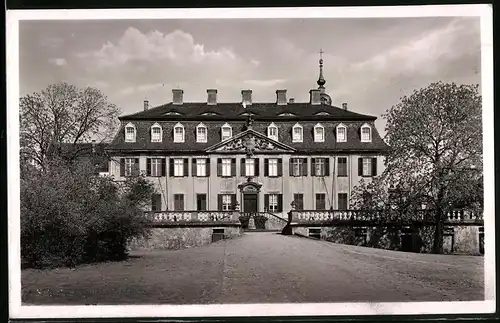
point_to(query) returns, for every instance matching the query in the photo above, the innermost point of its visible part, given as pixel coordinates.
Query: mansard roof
(236, 111)
(190, 145)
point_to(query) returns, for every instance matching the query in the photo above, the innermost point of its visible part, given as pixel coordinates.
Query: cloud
(177, 47)
(58, 61)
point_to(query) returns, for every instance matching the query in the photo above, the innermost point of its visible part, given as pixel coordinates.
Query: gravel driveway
(262, 267)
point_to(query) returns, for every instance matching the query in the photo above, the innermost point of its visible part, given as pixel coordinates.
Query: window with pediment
(178, 133)
(201, 133)
(319, 133)
(341, 133)
(297, 133)
(130, 133)
(366, 133)
(226, 132)
(272, 132)
(156, 133)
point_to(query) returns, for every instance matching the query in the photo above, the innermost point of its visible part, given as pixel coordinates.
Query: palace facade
(256, 156)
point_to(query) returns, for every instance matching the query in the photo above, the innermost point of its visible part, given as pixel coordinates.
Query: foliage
(63, 113)
(69, 215)
(435, 155)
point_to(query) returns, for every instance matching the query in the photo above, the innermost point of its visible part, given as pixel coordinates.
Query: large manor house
(256, 156)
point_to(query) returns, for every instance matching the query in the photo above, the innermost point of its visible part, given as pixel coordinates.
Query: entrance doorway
(250, 203)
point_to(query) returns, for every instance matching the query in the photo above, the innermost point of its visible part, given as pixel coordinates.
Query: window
(156, 202)
(319, 133)
(201, 133)
(272, 167)
(273, 202)
(366, 133)
(178, 202)
(226, 167)
(179, 133)
(297, 133)
(226, 202)
(155, 167)
(367, 167)
(249, 167)
(178, 167)
(341, 133)
(226, 132)
(130, 133)
(342, 197)
(298, 198)
(201, 167)
(298, 166)
(130, 166)
(201, 202)
(320, 167)
(320, 201)
(342, 166)
(272, 132)
(156, 133)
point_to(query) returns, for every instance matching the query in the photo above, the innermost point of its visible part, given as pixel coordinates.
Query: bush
(71, 216)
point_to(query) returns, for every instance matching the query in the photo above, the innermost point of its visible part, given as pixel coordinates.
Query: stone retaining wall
(458, 239)
(173, 238)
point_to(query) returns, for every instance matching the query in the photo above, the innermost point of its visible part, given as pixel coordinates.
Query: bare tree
(63, 114)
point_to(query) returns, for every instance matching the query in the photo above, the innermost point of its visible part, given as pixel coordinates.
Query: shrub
(70, 216)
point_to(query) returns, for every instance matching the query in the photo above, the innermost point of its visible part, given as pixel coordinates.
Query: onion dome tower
(325, 98)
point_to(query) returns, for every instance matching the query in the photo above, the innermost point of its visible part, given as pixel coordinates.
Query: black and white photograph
(251, 162)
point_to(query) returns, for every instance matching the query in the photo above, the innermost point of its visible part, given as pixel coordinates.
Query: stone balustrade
(191, 216)
(455, 216)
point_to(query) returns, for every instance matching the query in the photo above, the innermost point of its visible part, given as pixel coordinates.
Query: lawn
(171, 277)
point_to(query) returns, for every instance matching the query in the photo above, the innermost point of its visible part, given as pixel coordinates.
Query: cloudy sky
(369, 63)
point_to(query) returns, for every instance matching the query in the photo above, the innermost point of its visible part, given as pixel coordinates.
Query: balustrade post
(235, 216)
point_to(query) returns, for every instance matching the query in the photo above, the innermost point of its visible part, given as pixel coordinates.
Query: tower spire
(321, 80)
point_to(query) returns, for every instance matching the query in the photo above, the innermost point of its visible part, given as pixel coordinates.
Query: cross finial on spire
(321, 80)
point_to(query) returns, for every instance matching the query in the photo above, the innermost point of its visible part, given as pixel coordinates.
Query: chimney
(292, 100)
(93, 145)
(281, 97)
(212, 96)
(146, 105)
(177, 96)
(246, 97)
(315, 97)
(344, 106)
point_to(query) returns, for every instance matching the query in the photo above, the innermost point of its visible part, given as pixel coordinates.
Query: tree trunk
(437, 246)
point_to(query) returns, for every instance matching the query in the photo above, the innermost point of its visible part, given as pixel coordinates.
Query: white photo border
(19, 311)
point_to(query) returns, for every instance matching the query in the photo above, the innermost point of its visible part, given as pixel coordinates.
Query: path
(263, 267)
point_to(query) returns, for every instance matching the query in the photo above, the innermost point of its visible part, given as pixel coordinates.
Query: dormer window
(341, 133)
(319, 133)
(322, 114)
(226, 132)
(272, 132)
(366, 133)
(178, 133)
(156, 133)
(201, 133)
(129, 133)
(286, 114)
(297, 133)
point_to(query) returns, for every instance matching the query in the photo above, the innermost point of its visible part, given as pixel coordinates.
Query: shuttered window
(342, 200)
(367, 166)
(298, 199)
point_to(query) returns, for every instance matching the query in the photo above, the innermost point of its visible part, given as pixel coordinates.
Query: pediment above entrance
(250, 142)
(249, 186)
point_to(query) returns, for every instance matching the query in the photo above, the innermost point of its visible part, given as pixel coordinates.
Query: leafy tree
(63, 113)
(435, 157)
(69, 215)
